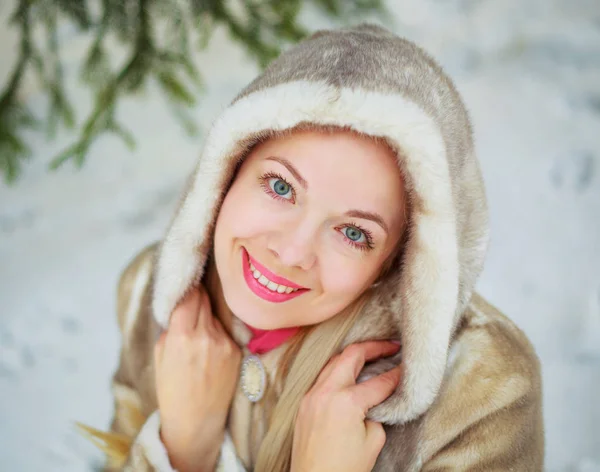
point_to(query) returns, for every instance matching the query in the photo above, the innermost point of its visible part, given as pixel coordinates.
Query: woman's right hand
(331, 432)
(196, 365)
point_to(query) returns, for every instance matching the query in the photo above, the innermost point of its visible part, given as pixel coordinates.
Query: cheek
(241, 215)
(342, 282)
(346, 278)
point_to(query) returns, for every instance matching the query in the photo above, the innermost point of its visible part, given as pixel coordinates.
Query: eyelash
(368, 236)
(263, 181)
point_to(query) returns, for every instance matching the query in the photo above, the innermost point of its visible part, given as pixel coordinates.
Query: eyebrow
(288, 165)
(365, 215)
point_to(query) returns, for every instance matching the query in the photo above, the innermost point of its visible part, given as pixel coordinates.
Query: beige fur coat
(470, 397)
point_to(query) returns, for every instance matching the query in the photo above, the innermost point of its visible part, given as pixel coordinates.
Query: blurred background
(529, 72)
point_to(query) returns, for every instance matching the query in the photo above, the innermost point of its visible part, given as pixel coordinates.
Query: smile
(265, 284)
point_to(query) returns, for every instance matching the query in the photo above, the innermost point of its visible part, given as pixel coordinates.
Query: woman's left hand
(331, 433)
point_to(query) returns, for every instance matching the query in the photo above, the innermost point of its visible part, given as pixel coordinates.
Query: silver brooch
(253, 378)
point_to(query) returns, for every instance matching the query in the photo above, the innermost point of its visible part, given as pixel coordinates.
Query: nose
(294, 248)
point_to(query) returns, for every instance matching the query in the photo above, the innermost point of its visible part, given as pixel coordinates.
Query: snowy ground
(530, 74)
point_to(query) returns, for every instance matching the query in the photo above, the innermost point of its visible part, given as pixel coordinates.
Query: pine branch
(13, 115)
(261, 28)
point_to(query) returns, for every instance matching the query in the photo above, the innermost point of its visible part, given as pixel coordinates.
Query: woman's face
(306, 226)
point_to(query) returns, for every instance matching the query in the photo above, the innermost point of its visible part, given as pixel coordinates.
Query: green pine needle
(261, 28)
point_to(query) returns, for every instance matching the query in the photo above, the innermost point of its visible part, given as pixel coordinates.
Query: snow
(529, 73)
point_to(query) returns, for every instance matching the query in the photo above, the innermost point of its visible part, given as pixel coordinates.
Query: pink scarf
(265, 340)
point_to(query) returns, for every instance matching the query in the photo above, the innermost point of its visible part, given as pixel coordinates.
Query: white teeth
(267, 283)
(263, 280)
(272, 286)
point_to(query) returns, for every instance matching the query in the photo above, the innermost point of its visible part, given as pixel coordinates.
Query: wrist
(193, 454)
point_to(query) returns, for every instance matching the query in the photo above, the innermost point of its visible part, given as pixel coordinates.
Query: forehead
(340, 166)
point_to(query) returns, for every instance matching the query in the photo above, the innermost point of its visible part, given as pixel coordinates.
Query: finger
(375, 435)
(375, 390)
(218, 326)
(344, 370)
(375, 349)
(365, 350)
(205, 317)
(185, 315)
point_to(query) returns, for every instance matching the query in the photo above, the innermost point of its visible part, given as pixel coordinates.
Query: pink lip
(262, 291)
(270, 275)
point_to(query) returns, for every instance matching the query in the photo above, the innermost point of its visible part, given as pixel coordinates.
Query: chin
(252, 314)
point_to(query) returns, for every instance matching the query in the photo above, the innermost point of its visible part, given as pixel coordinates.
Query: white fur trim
(431, 285)
(154, 449)
(229, 461)
(156, 453)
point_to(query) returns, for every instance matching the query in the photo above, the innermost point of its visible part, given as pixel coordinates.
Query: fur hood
(370, 80)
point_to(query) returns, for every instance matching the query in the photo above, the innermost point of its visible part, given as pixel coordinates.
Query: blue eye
(353, 234)
(280, 187)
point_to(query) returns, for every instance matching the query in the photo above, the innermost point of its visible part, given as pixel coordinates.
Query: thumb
(375, 436)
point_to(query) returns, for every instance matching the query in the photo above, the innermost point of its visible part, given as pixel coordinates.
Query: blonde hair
(320, 344)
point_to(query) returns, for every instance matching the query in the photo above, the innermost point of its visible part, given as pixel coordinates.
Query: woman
(337, 206)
